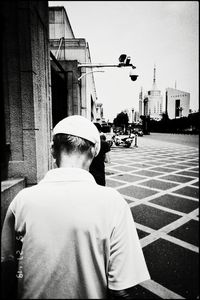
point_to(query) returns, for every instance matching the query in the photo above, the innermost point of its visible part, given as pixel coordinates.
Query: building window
(177, 107)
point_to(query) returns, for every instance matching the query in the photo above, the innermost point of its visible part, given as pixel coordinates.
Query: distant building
(151, 103)
(134, 117)
(141, 104)
(177, 103)
(99, 112)
(155, 100)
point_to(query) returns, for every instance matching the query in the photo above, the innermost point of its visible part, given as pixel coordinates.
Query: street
(184, 139)
(160, 181)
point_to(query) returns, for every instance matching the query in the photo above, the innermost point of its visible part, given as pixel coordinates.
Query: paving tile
(128, 177)
(171, 161)
(111, 164)
(188, 173)
(188, 191)
(141, 233)
(136, 192)
(196, 183)
(139, 292)
(177, 203)
(155, 163)
(178, 160)
(189, 164)
(158, 184)
(152, 217)
(195, 161)
(195, 169)
(163, 169)
(113, 183)
(148, 173)
(140, 165)
(177, 166)
(129, 201)
(124, 162)
(177, 178)
(188, 232)
(174, 267)
(123, 168)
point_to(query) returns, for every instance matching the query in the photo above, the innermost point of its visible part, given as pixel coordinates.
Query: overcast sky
(164, 33)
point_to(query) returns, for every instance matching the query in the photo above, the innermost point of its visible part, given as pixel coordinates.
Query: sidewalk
(160, 181)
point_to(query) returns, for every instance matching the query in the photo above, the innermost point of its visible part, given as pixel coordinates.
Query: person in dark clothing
(97, 167)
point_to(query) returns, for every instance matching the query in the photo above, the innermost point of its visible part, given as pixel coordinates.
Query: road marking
(160, 290)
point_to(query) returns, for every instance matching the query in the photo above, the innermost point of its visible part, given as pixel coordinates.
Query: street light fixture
(124, 61)
(133, 76)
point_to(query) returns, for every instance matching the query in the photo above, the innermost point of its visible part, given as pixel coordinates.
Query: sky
(160, 33)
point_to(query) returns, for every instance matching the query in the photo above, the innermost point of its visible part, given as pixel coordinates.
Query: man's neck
(74, 161)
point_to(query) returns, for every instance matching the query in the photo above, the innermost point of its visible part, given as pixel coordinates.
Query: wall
(25, 69)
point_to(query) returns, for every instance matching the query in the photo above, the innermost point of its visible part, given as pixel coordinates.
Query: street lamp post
(124, 61)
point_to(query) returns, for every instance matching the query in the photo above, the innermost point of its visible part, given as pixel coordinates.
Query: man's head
(75, 137)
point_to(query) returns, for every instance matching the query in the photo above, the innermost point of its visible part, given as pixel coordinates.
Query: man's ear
(93, 151)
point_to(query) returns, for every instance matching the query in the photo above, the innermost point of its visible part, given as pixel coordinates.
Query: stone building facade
(25, 96)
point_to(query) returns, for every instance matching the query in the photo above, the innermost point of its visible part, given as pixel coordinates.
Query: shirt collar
(67, 174)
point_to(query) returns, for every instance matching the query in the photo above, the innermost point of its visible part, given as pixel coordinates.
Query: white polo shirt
(79, 238)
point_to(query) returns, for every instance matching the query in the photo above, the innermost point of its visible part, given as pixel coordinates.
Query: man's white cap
(79, 126)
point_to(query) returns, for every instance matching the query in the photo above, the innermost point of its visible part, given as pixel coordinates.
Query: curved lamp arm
(87, 74)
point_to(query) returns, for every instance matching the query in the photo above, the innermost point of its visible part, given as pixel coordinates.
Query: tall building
(99, 114)
(151, 103)
(155, 100)
(177, 103)
(141, 105)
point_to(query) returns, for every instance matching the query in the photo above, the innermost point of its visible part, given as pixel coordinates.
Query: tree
(121, 120)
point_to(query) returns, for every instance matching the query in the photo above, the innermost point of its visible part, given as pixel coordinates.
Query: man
(78, 239)
(97, 167)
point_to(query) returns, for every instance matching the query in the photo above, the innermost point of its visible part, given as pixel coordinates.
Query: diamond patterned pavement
(160, 182)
